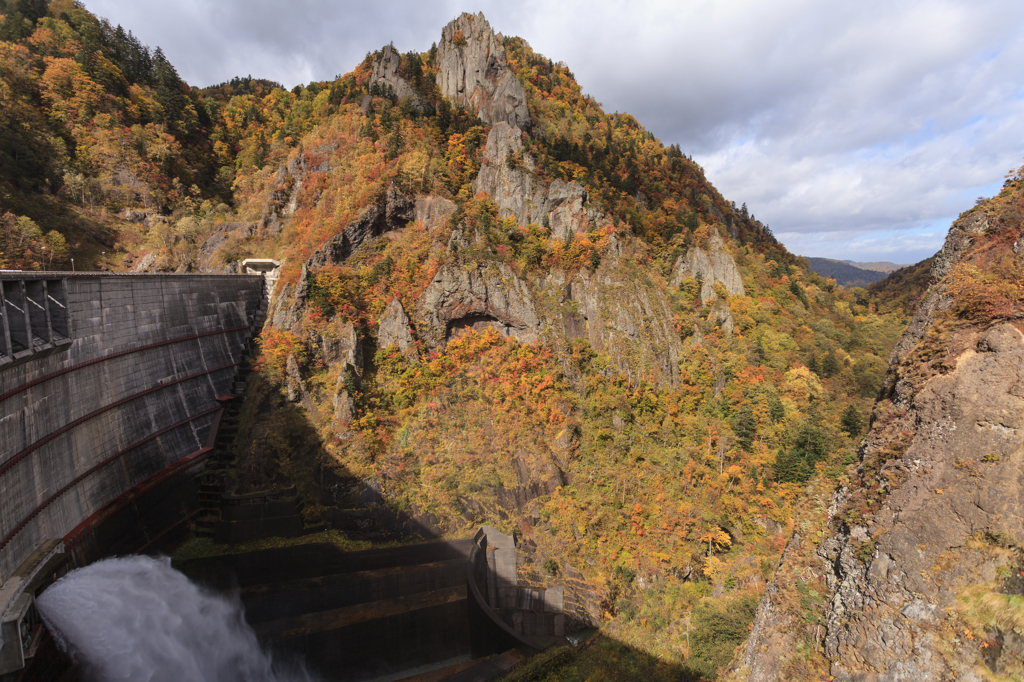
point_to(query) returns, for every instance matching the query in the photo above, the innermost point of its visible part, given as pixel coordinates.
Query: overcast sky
(856, 130)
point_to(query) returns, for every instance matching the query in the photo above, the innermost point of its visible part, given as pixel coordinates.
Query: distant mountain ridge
(878, 266)
(844, 273)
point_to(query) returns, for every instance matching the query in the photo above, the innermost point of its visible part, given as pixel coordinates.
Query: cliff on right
(912, 568)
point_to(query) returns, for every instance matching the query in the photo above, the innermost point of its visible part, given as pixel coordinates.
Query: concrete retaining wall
(113, 379)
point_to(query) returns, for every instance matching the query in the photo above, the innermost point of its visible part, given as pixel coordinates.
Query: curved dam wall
(107, 384)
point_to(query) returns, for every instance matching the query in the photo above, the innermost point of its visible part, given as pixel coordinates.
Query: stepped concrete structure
(111, 387)
(113, 390)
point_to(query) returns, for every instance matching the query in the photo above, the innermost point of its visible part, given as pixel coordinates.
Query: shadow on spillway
(396, 613)
(352, 615)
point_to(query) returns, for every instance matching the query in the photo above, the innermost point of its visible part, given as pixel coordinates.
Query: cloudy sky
(856, 130)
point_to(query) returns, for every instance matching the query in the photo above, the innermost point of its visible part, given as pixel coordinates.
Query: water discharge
(136, 618)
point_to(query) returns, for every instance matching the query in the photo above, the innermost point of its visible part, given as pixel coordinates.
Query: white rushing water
(136, 618)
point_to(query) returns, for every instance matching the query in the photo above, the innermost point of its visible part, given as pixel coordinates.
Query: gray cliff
(473, 72)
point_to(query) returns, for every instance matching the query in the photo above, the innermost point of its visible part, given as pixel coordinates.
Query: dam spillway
(109, 387)
(112, 388)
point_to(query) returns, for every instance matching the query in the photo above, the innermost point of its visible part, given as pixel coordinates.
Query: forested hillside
(844, 273)
(498, 304)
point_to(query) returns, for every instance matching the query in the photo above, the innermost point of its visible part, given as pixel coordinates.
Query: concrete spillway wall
(106, 380)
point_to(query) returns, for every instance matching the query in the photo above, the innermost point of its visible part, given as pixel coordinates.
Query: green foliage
(719, 629)
(852, 423)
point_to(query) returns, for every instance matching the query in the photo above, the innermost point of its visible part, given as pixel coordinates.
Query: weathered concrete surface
(131, 393)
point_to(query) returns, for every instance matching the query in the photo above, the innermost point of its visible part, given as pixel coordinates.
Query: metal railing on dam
(106, 380)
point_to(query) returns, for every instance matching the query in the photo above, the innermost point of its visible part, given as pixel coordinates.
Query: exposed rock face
(465, 296)
(518, 194)
(385, 71)
(393, 212)
(713, 265)
(886, 616)
(296, 388)
(394, 328)
(473, 72)
(722, 315)
(432, 210)
(619, 312)
(222, 235)
(343, 346)
(946, 456)
(957, 241)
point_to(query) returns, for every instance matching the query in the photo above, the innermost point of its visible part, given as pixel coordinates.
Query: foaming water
(136, 618)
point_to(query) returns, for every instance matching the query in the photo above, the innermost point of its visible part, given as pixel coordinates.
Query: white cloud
(859, 121)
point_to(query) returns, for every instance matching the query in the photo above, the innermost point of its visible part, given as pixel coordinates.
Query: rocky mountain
(501, 304)
(912, 570)
(497, 304)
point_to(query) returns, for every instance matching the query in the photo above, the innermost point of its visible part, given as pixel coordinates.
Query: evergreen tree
(852, 423)
(169, 88)
(812, 364)
(745, 427)
(829, 364)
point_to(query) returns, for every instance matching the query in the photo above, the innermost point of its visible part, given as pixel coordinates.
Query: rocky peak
(385, 72)
(473, 72)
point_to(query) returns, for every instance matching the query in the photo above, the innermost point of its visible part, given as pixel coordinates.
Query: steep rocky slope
(530, 313)
(498, 303)
(913, 571)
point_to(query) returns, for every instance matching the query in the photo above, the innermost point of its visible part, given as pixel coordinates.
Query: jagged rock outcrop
(295, 387)
(932, 528)
(342, 347)
(472, 71)
(562, 205)
(618, 311)
(385, 72)
(963, 470)
(394, 329)
(283, 201)
(223, 234)
(468, 296)
(713, 265)
(394, 211)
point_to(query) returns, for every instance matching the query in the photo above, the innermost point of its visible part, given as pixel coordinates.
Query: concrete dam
(112, 391)
(110, 386)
